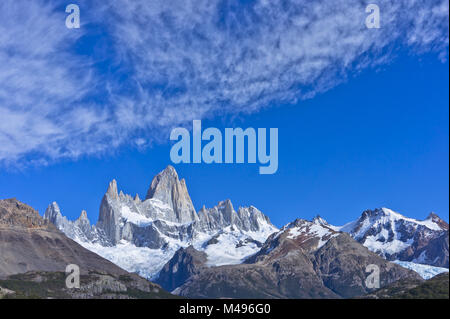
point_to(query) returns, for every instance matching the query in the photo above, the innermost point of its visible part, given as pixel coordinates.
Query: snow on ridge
(233, 247)
(134, 218)
(386, 248)
(324, 233)
(230, 248)
(397, 216)
(388, 216)
(158, 203)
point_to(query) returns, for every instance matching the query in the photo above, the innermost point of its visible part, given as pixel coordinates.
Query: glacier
(425, 271)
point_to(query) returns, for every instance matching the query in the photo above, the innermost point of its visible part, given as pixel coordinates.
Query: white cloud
(42, 85)
(184, 60)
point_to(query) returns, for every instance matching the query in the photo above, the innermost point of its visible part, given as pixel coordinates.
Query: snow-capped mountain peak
(388, 218)
(394, 236)
(141, 236)
(436, 220)
(317, 230)
(320, 221)
(311, 235)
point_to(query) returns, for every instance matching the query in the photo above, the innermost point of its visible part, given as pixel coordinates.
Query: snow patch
(134, 218)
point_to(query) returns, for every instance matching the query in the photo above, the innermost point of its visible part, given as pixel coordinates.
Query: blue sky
(362, 114)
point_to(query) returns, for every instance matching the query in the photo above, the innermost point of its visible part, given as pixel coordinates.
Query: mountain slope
(29, 244)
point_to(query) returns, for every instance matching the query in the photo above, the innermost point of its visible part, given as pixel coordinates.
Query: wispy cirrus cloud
(175, 61)
(42, 85)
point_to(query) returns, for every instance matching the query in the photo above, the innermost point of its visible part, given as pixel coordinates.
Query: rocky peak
(396, 237)
(437, 220)
(162, 184)
(16, 213)
(227, 210)
(112, 191)
(83, 224)
(309, 235)
(387, 218)
(298, 222)
(319, 221)
(53, 213)
(245, 219)
(371, 213)
(83, 217)
(299, 236)
(108, 218)
(167, 188)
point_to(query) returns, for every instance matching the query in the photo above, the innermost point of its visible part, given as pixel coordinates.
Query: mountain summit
(396, 237)
(167, 188)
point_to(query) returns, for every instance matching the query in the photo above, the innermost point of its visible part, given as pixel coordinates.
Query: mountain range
(302, 260)
(143, 235)
(221, 251)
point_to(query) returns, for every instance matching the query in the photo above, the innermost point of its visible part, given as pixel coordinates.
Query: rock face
(167, 188)
(165, 222)
(19, 215)
(108, 219)
(224, 215)
(303, 260)
(186, 263)
(79, 229)
(396, 237)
